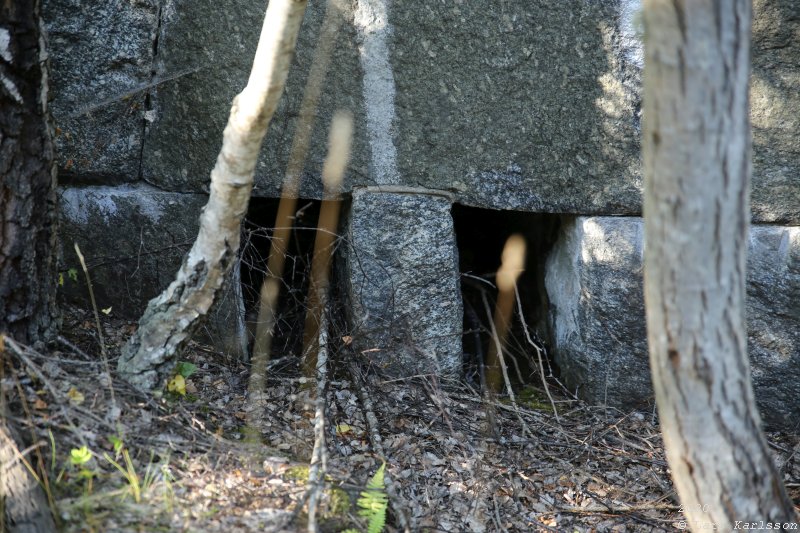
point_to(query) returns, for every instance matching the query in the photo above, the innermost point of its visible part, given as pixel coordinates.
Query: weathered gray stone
(528, 105)
(773, 322)
(594, 282)
(522, 105)
(134, 239)
(403, 282)
(189, 113)
(775, 111)
(101, 61)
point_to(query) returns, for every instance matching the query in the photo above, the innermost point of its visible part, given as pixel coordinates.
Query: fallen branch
(377, 444)
(319, 457)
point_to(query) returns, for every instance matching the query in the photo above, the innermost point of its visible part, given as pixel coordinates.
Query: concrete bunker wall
(530, 106)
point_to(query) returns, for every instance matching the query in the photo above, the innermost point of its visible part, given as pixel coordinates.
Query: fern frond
(373, 502)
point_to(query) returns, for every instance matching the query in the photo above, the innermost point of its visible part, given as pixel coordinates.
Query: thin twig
(377, 445)
(319, 457)
(114, 412)
(17, 349)
(499, 347)
(538, 352)
(94, 304)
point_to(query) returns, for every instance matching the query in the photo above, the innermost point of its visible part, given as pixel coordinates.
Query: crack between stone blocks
(151, 84)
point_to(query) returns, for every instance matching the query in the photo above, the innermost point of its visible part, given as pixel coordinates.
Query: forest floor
(119, 460)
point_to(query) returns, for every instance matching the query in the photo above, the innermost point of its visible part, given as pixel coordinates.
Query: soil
(454, 460)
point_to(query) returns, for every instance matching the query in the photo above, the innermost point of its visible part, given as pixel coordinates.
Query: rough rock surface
(773, 322)
(134, 239)
(523, 105)
(216, 42)
(594, 282)
(775, 111)
(531, 106)
(101, 55)
(403, 283)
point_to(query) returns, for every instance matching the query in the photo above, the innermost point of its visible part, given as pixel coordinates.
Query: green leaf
(373, 502)
(80, 456)
(73, 274)
(116, 442)
(185, 369)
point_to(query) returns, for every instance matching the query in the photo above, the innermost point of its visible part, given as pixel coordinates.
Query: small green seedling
(116, 442)
(80, 456)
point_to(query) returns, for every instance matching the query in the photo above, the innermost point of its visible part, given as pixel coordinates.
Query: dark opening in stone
(257, 230)
(481, 235)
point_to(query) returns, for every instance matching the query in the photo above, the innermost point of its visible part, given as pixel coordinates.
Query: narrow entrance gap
(480, 236)
(256, 237)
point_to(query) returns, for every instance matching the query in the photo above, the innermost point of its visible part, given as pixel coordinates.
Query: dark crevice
(148, 105)
(481, 235)
(255, 246)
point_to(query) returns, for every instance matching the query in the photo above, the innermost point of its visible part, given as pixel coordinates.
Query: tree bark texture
(696, 144)
(27, 232)
(25, 508)
(28, 211)
(170, 319)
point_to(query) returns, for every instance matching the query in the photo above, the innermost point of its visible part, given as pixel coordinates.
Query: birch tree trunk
(170, 319)
(697, 171)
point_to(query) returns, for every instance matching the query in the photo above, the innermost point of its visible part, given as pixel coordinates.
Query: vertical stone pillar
(403, 281)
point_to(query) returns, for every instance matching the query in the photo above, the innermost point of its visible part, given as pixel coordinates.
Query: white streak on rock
(372, 23)
(78, 202)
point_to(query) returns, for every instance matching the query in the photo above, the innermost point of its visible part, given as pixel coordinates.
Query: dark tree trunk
(27, 170)
(27, 233)
(22, 500)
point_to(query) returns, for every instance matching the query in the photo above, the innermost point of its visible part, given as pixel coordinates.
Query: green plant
(177, 385)
(138, 486)
(373, 503)
(79, 458)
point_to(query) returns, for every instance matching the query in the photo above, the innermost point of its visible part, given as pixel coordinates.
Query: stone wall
(594, 280)
(530, 106)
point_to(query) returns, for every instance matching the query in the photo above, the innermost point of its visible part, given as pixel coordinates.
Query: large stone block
(773, 322)
(402, 279)
(594, 283)
(775, 111)
(519, 105)
(134, 239)
(101, 55)
(217, 41)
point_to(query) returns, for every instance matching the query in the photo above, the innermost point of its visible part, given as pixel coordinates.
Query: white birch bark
(696, 144)
(171, 318)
